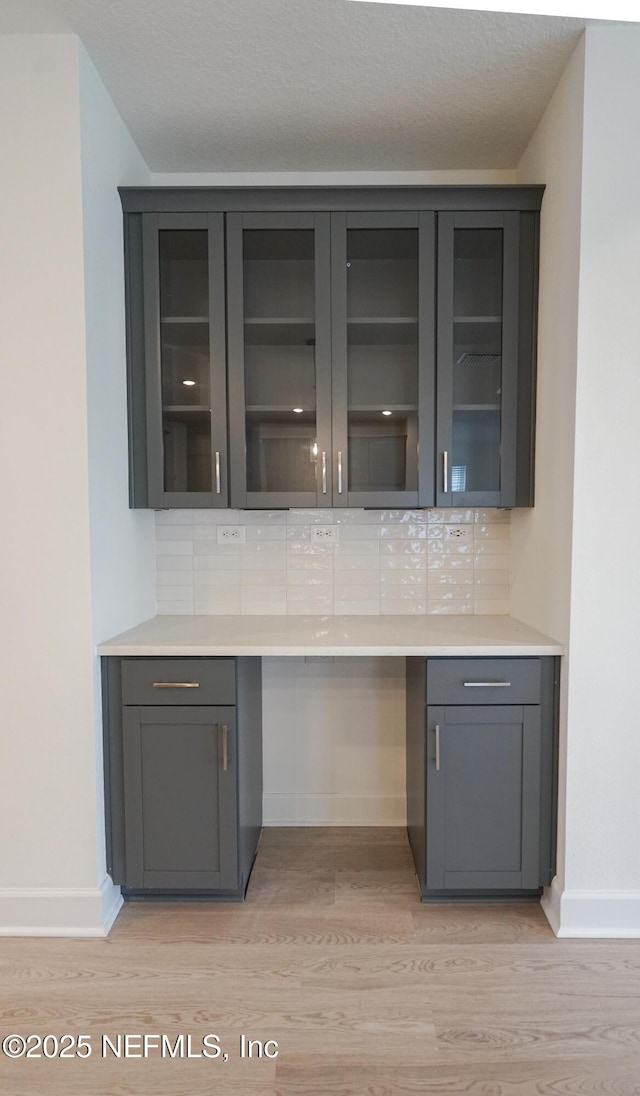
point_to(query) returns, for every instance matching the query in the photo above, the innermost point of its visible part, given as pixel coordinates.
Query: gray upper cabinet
(331, 347)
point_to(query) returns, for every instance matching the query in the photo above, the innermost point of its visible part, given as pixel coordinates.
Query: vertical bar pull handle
(339, 472)
(218, 484)
(445, 472)
(324, 472)
(437, 730)
(225, 747)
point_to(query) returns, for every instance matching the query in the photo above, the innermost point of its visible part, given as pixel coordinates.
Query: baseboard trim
(591, 914)
(51, 911)
(320, 809)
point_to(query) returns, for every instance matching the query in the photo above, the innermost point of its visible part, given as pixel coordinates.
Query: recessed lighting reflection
(189, 384)
(387, 412)
(298, 410)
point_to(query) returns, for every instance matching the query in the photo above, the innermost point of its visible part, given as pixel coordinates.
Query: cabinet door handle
(218, 487)
(324, 472)
(437, 730)
(445, 472)
(487, 684)
(225, 748)
(339, 472)
(176, 685)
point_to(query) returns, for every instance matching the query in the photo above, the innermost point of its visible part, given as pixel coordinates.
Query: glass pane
(477, 359)
(184, 346)
(382, 357)
(279, 338)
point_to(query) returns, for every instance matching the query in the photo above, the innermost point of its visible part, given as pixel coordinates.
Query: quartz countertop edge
(198, 636)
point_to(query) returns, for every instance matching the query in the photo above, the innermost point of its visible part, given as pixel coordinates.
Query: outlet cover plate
(459, 533)
(230, 534)
(324, 534)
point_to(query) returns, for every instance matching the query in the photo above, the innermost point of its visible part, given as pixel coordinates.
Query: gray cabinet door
(483, 797)
(279, 354)
(383, 349)
(478, 359)
(180, 798)
(185, 394)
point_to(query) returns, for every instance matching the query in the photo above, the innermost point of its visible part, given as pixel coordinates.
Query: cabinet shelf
(477, 319)
(184, 319)
(279, 331)
(377, 409)
(476, 407)
(383, 330)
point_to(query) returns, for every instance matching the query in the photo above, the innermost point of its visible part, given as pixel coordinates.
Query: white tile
(174, 578)
(263, 518)
(218, 517)
(435, 532)
(300, 603)
(175, 593)
(321, 580)
(456, 562)
(492, 593)
(174, 532)
(357, 607)
(449, 517)
(402, 563)
(205, 532)
(263, 600)
(442, 577)
(303, 562)
(451, 593)
(221, 579)
(492, 608)
(309, 517)
(484, 517)
(351, 587)
(415, 606)
(355, 517)
(402, 547)
(227, 561)
(175, 608)
(174, 517)
(410, 531)
(219, 602)
(266, 533)
(402, 580)
(357, 533)
(450, 608)
(174, 563)
(175, 547)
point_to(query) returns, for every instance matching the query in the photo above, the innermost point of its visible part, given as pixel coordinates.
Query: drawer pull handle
(176, 685)
(339, 473)
(324, 472)
(445, 472)
(437, 730)
(218, 482)
(225, 749)
(487, 684)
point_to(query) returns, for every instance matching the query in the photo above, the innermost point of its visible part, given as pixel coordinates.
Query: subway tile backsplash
(382, 562)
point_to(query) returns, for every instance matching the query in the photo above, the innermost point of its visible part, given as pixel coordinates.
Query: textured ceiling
(315, 85)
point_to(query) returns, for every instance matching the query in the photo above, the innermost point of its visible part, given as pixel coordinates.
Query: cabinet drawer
(179, 681)
(483, 681)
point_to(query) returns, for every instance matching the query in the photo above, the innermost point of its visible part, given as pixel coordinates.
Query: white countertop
(331, 635)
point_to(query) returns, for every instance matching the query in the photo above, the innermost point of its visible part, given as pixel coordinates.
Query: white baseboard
(590, 914)
(319, 809)
(49, 911)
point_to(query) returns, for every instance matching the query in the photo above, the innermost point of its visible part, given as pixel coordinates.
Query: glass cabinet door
(279, 368)
(477, 358)
(186, 386)
(383, 379)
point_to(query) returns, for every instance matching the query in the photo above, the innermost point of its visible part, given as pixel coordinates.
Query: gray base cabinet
(183, 774)
(481, 775)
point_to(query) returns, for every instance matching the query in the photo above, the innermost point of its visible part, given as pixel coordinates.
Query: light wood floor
(365, 989)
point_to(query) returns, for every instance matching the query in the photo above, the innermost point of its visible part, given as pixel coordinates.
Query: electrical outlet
(324, 534)
(458, 532)
(230, 534)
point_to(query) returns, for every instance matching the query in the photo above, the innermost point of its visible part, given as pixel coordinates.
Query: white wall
(567, 580)
(52, 872)
(603, 805)
(122, 541)
(499, 176)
